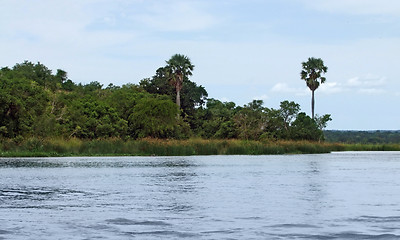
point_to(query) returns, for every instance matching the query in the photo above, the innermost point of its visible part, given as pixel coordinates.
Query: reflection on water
(329, 196)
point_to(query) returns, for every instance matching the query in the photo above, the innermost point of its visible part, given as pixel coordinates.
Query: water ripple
(164, 234)
(376, 219)
(343, 235)
(124, 221)
(294, 226)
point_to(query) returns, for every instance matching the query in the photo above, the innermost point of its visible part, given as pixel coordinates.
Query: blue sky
(242, 49)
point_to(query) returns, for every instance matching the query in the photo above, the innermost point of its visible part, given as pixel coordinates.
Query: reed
(371, 147)
(36, 147)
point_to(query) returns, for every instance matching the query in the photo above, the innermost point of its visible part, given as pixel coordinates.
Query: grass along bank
(148, 147)
(51, 147)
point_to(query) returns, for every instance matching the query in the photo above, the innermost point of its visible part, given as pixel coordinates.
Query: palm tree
(311, 73)
(178, 68)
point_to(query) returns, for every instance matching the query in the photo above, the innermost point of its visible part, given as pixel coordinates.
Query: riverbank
(34, 147)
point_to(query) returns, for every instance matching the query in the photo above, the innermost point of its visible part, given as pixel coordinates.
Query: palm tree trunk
(178, 102)
(178, 98)
(178, 92)
(312, 105)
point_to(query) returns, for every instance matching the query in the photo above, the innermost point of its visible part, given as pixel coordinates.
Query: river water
(350, 195)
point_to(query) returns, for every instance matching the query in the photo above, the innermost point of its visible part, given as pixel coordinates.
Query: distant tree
(305, 128)
(288, 112)
(61, 76)
(178, 68)
(312, 73)
(22, 102)
(153, 117)
(251, 120)
(322, 121)
(192, 96)
(215, 121)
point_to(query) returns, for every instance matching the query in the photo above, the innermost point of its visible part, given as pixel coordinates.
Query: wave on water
(343, 235)
(124, 221)
(164, 234)
(377, 219)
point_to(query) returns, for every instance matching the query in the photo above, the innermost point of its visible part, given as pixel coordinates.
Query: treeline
(363, 137)
(35, 102)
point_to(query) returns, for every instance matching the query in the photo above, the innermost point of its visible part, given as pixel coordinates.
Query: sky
(242, 49)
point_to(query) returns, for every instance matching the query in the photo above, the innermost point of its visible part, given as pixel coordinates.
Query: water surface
(352, 195)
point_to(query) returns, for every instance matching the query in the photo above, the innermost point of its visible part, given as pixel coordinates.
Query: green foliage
(312, 72)
(250, 120)
(305, 128)
(191, 96)
(322, 121)
(153, 117)
(363, 137)
(216, 120)
(35, 103)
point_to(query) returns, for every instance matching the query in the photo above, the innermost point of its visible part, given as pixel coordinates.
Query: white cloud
(176, 16)
(368, 80)
(285, 88)
(368, 84)
(371, 91)
(356, 7)
(331, 87)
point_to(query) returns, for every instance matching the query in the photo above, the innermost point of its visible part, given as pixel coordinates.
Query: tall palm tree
(178, 68)
(312, 74)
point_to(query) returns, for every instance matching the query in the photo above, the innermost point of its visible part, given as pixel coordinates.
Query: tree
(178, 68)
(191, 95)
(312, 74)
(153, 117)
(305, 128)
(322, 122)
(215, 121)
(251, 120)
(288, 112)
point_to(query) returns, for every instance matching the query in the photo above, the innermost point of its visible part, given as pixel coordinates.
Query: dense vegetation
(363, 137)
(158, 147)
(36, 103)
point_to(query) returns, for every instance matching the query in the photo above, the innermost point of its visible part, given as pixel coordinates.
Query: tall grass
(371, 147)
(156, 147)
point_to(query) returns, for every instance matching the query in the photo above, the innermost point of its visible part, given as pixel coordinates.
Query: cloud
(368, 80)
(285, 88)
(331, 87)
(176, 16)
(368, 84)
(371, 91)
(356, 7)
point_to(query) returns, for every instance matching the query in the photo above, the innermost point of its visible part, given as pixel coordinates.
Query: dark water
(329, 196)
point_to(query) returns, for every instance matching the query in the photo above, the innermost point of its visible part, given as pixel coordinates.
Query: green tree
(305, 128)
(312, 73)
(178, 68)
(192, 96)
(288, 111)
(22, 102)
(215, 121)
(251, 120)
(322, 122)
(153, 117)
